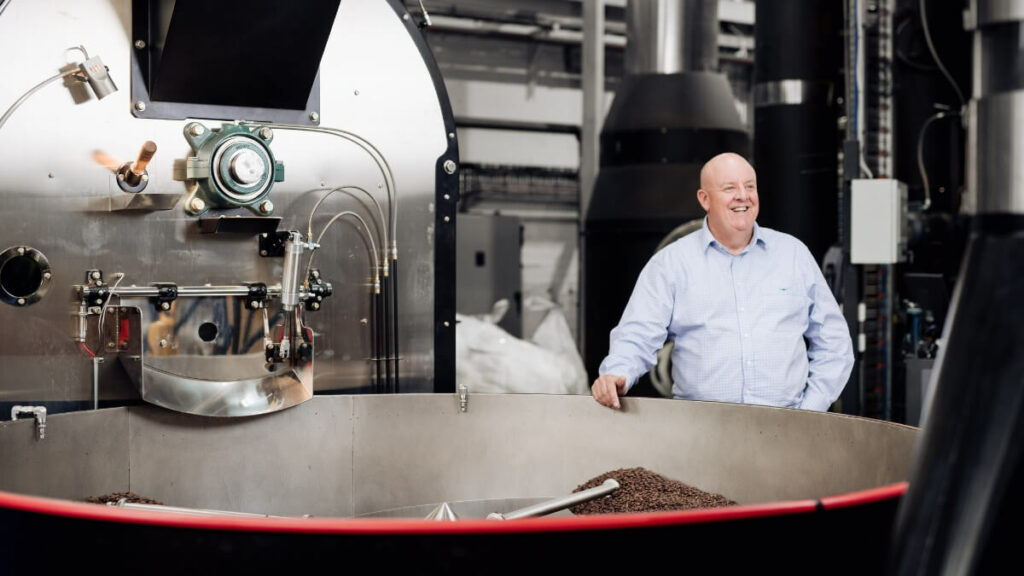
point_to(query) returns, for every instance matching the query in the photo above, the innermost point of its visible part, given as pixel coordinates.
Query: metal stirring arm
(609, 486)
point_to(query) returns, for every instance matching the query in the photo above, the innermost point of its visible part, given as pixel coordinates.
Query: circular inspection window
(24, 275)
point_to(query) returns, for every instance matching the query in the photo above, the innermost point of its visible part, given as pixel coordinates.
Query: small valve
(132, 176)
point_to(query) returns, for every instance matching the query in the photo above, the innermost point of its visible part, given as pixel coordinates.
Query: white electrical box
(878, 221)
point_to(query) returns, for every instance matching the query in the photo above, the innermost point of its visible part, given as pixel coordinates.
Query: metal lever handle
(609, 486)
(145, 155)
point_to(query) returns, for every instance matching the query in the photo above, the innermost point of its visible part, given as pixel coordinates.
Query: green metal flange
(232, 167)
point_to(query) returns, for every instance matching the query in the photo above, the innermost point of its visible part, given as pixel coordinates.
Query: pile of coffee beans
(641, 490)
(115, 497)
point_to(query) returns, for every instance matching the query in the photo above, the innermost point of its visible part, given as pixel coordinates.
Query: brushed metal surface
(84, 454)
(61, 201)
(390, 455)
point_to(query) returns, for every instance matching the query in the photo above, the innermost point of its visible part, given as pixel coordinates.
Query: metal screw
(197, 205)
(449, 166)
(356, 92)
(315, 306)
(21, 301)
(266, 207)
(51, 175)
(451, 135)
(21, 251)
(197, 129)
(363, 321)
(165, 305)
(163, 343)
(263, 252)
(314, 116)
(405, 16)
(140, 44)
(140, 105)
(47, 275)
(96, 275)
(319, 298)
(98, 301)
(145, 177)
(446, 219)
(447, 197)
(264, 235)
(111, 344)
(266, 133)
(446, 323)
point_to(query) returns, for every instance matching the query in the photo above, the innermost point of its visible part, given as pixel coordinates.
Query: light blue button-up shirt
(758, 327)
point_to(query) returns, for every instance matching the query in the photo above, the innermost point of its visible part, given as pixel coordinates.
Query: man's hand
(607, 389)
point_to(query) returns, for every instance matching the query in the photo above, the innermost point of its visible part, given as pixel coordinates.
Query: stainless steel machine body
(66, 210)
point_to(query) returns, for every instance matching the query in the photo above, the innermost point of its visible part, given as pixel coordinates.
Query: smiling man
(747, 307)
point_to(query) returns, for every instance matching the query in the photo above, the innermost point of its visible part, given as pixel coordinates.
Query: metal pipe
(290, 275)
(96, 361)
(123, 503)
(194, 291)
(609, 486)
(394, 313)
(671, 36)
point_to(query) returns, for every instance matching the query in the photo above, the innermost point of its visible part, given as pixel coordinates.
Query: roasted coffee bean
(641, 490)
(115, 497)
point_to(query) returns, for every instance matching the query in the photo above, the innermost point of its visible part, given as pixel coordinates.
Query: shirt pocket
(784, 306)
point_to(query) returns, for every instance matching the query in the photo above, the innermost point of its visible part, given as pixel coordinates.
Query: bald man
(747, 307)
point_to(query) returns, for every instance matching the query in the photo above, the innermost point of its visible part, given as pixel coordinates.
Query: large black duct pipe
(672, 112)
(961, 511)
(797, 69)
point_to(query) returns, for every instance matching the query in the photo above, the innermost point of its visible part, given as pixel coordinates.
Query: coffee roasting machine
(216, 208)
(228, 242)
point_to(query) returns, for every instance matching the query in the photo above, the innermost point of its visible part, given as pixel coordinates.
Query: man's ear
(702, 197)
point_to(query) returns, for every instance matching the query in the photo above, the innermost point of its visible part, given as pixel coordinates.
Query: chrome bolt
(96, 275)
(319, 298)
(266, 207)
(163, 343)
(447, 197)
(446, 323)
(263, 252)
(451, 135)
(314, 116)
(315, 306)
(21, 251)
(21, 301)
(165, 305)
(111, 344)
(197, 129)
(98, 301)
(145, 177)
(47, 275)
(140, 105)
(197, 205)
(140, 44)
(446, 219)
(266, 133)
(449, 166)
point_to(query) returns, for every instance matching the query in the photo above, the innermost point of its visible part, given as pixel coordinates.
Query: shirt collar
(707, 239)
